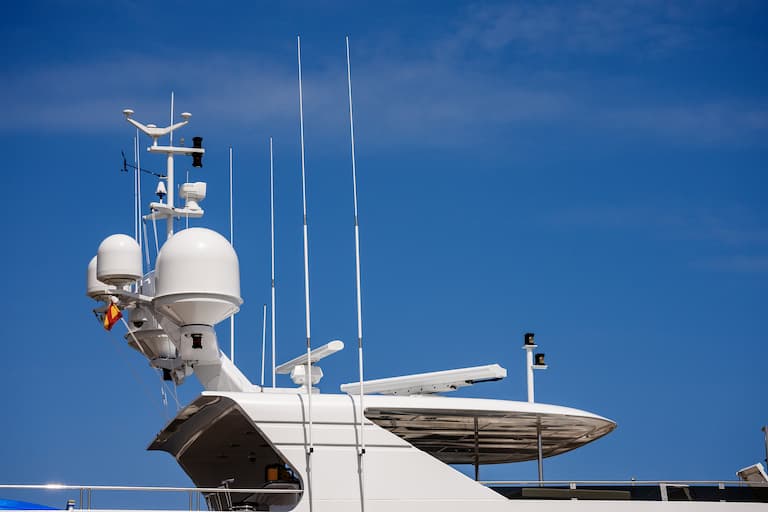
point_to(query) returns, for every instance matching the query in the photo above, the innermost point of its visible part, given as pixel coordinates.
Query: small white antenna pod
(161, 191)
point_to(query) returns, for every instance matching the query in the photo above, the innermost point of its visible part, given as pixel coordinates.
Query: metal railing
(664, 486)
(194, 493)
(740, 483)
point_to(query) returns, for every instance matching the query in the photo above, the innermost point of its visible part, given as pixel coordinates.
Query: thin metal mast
(357, 256)
(231, 241)
(171, 186)
(306, 255)
(263, 343)
(272, 239)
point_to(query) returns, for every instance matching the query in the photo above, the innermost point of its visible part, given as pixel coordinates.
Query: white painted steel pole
(272, 240)
(169, 173)
(540, 452)
(306, 255)
(169, 229)
(529, 370)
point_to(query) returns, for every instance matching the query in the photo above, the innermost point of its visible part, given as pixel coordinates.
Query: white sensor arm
(154, 131)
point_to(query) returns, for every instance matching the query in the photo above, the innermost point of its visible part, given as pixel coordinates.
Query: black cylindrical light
(539, 359)
(197, 158)
(529, 338)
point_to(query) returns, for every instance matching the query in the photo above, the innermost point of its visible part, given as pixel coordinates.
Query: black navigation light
(539, 359)
(167, 375)
(529, 338)
(197, 340)
(197, 158)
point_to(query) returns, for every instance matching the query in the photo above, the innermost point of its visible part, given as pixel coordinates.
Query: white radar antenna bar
(312, 357)
(429, 383)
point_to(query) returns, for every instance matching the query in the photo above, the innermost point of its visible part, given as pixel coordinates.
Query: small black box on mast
(197, 158)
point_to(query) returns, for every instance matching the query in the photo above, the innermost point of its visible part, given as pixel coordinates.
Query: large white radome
(197, 278)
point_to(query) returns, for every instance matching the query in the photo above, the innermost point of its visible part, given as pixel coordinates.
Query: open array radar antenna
(429, 383)
(297, 367)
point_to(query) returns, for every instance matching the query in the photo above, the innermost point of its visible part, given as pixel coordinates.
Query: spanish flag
(111, 316)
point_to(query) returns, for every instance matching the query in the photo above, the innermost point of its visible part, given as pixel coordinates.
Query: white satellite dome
(95, 289)
(118, 260)
(197, 278)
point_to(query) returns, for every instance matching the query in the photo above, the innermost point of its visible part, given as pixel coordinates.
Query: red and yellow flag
(111, 316)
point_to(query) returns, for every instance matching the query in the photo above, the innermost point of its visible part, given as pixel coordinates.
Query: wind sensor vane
(191, 192)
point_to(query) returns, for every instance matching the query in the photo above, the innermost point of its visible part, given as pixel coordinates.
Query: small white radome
(118, 260)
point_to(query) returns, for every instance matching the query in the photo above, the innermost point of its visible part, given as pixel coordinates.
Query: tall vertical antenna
(136, 207)
(357, 255)
(171, 134)
(306, 254)
(272, 237)
(142, 239)
(231, 241)
(263, 343)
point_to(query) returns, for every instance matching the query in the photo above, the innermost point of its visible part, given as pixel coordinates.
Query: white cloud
(596, 27)
(450, 99)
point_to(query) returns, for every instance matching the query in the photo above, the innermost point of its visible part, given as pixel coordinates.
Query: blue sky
(594, 172)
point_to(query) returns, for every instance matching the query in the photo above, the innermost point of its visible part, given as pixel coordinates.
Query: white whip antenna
(136, 207)
(272, 237)
(135, 195)
(357, 255)
(231, 241)
(170, 135)
(142, 239)
(306, 254)
(263, 343)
